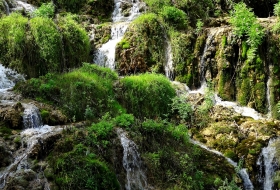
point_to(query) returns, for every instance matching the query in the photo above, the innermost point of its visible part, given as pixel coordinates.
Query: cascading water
(244, 111)
(268, 91)
(31, 117)
(169, 69)
(135, 176)
(33, 134)
(267, 165)
(105, 55)
(22, 5)
(7, 8)
(242, 172)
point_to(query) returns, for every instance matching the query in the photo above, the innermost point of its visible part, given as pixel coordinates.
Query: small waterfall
(242, 172)
(267, 165)
(31, 117)
(7, 8)
(30, 137)
(105, 56)
(244, 111)
(8, 78)
(169, 69)
(136, 178)
(22, 5)
(268, 93)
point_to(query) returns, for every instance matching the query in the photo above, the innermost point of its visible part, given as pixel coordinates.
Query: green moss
(244, 49)
(145, 39)
(146, 95)
(74, 92)
(244, 94)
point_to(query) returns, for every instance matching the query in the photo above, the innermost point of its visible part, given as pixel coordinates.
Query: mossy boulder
(40, 45)
(142, 48)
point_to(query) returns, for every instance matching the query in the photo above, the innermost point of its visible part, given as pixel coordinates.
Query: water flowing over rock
(244, 111)
(269, 87)
(242, 172)
(169, 69)
(105, 55)
(31, 117)
(136, 178)
(8, 78)
(23, 6)
(7, 8)
(267, 165)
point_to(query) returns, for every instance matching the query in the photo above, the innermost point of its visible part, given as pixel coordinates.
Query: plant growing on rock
(244, 23)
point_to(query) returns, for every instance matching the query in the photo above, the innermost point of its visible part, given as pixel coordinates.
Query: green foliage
(45, 10)
(229, 186)
(174, 16)
(83, 93)
(76, 41)
(72, 5)
(125, 120)
(157, 5)
(146, 95)
(245, 24)
(39, 46)
(100, 133)
(199, 25)
(276, 9)
(78, 170)
(47, 40)
(184, 109)
(13, 40)
(145, 39)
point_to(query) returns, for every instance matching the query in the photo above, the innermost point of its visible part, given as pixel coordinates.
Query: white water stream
(135, 176)
(105, 55)
(242, 172)
(267, 165)
(169, 68)
(35, 132)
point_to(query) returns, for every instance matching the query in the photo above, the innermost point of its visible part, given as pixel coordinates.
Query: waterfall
(268, 92)
(135, 176)
(31, 117)
(105, 55)
(267, 165)
(242, 172)
(8, 78)
(7, 8)
(244, 111)
(23, 5)
(169, 69)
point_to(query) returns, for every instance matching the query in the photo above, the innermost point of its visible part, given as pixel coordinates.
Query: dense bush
(87, 91)
(146, 51)
(38, 46)
(146, 95)
(75, 42)
(45, 10)
(78, 170)
(244, 23)
(174, 16)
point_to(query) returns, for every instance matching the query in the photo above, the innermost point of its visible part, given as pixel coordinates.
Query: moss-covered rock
(143, 47)
(39, 45)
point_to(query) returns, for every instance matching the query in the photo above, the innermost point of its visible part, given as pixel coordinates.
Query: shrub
(145, 38)
(76, 42)
(146, 95)
(81, 93)
(45, 10)
(180, 105)
(47, 40)
(124, 120)
(13, 40)
(245, 24)
(174, 16)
